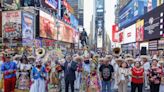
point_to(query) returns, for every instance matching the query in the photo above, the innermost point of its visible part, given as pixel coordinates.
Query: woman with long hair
(154, 76)
(137, 73)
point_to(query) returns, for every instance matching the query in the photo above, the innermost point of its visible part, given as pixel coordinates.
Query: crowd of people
(86, 72)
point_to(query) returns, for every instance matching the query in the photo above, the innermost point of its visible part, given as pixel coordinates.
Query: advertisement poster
(11, 4)
(65, 33)
(76, 37)
(121, 37)
(153, 23)
(11, 24)
(131, 12)
(151, 5)
(68, 34)
(27, 28)
(74, 21)
(140, 30)
(68, 6)
(27, 25)
(130, 34)
(47, 26)
(114, 33)
(52, 3)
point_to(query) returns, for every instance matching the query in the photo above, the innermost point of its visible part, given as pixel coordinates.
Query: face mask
(86, 61)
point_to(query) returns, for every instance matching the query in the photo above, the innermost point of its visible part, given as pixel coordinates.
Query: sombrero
(130, 60)
(31, 57)
(17, 56)
(155, 57)
(108, 56)
(119, 60)
(127, 56)
(144, 57)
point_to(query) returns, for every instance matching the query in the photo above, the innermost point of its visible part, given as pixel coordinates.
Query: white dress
(146, 67)
(39, 84)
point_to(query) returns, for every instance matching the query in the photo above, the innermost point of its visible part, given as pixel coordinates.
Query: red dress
(137, 72)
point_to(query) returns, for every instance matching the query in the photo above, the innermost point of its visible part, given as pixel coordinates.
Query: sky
(109, 15)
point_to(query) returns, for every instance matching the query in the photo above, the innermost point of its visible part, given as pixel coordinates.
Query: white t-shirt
(146, 66)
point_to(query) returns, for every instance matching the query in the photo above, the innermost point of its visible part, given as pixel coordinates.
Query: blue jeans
(106, 86)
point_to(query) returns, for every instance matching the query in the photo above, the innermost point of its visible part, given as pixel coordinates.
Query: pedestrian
(69, 67)
(146, 65)
(116, 67)
(122, 77)
(106, 72)
(79, 70)
(137, 73)
(38, 77)
(154, 76)
(9, 69)
(161, 63)
(93, 79)
(24, 74)
(86, 71)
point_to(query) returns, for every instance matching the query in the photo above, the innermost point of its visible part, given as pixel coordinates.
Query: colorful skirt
(24, 82)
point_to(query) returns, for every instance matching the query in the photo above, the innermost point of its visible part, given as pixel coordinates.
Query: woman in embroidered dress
(38, 77)
(122, 77)
(93, 80)
(137, 73)
(154, 76)
(24, 75)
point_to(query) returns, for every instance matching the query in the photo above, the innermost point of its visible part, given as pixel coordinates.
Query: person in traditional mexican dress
(93, 80)
(8, 69)
(38, 78)
(24, 75)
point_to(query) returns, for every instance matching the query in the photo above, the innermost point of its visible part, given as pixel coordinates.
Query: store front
(153, 47)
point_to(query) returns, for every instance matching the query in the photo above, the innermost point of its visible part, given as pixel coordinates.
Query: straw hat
(17, 57)
(31, 57)
(155, 57)
(109, 56)
(144, 57)
(119, 60)
(128, 56)
(130, 60)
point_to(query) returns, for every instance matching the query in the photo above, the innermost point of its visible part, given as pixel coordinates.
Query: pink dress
(93, 83)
